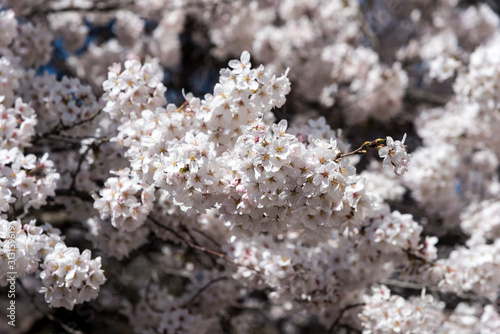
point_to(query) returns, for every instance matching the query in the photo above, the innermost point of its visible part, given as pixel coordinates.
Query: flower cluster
(17, 125)
(374, 90)
(433, 181)
(277, 177)
(149, 314)
(135, 88)
(232, 189)
(395, 156)
(26, 181)
(470, 269)
(112, 241)
(31, 243)
(69, 277)
(70, 28)
(336, 270)
(468, 318)
(9, 26)
(386, 313)
(125, 201)
(171, 148)
(482, 221)
(478, 85)
(60, 103)
(383, 182)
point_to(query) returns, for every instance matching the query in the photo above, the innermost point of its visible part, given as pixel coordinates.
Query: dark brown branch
(63, 127)
(412, 257)
(49, 316)
(194, 241)
(78, 167)
(95, 8)
(195, 246)
(341, 314)
(421, 95)
(203, 288)
(361, 150)
(207, 237)
(188, 232)
(75, 193)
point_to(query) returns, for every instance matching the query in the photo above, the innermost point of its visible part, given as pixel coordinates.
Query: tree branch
(203, 288)
(196, 246)
(341, 314)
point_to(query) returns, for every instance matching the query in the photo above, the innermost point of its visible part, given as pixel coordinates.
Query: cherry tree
(202, 166)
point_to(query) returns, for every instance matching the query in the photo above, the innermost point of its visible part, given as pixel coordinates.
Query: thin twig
(63, 127)
(341, 314)
(74, 140)
(412, 256)
(194, 241)
(401, 284)
(362, 149)
(50, 316)
(109, 8)
(78, 167)
(195, 246)
(368, 31)
(203, 288)
(207, 237)
(188, 232)
(63, 325)
(413, 93)
(75, 193)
